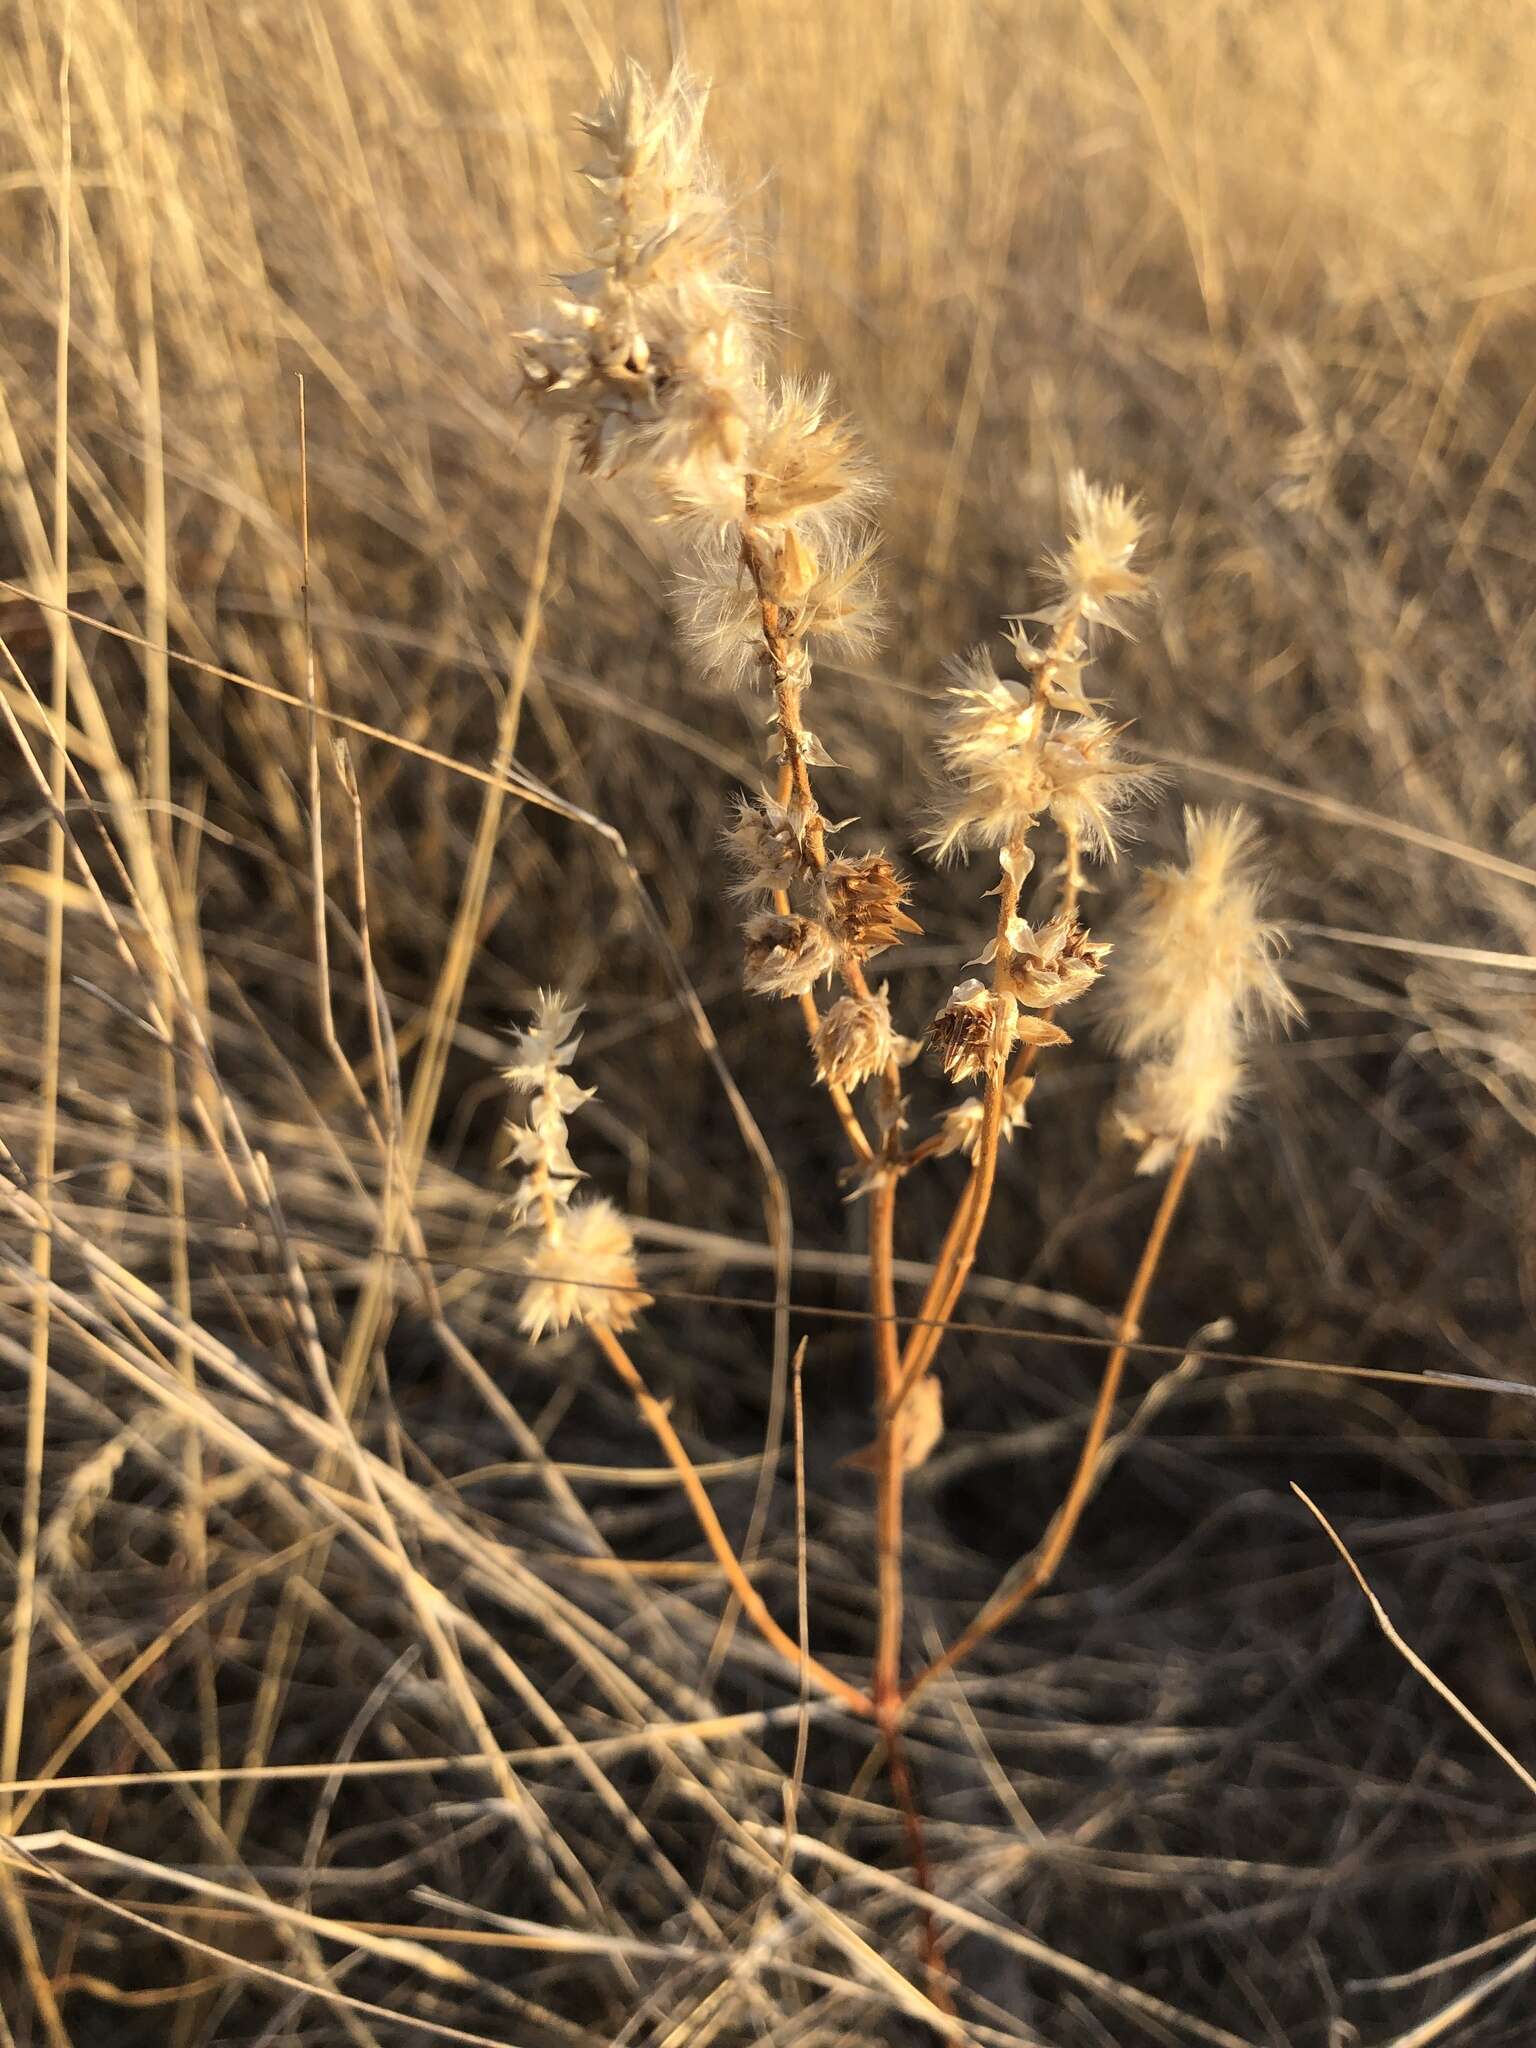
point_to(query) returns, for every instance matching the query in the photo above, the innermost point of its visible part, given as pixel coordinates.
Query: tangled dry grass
(368, 1677)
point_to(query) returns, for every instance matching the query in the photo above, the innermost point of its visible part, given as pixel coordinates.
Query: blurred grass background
(1272, 266)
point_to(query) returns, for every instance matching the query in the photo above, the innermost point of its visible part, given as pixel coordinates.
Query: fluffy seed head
(989, 741)
(826, 594)
(1189, 1098)
(762, 845)
(986, 717)
(544, 1046)
(840, 605)
(1197, 946)
(856, 1040)
(863, 898)
(962, 1031)
(1088, 786)
(649, 351)
(1052, 965)
(786, 956)
(584, 1271)
(804, 459)
(1197, 977)
(648, 140)
(1093, 571)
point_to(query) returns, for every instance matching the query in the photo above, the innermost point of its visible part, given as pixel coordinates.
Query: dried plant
(580, 1261)
(357, 1595)
(660, 369)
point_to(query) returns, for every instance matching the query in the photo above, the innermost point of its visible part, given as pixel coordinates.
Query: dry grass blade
(19, 1854)
(1411, 1656)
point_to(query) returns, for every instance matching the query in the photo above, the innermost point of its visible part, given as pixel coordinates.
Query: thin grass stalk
(43, 1169)
(157, 705)
(373, 1309)
(889, 1503)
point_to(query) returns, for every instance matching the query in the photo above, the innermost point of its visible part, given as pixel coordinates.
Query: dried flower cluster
(864, 902)
(856, 1040)
(653, 355)
(962, 1031)
(1016, 751)
(1045, 968)
(648, 352)
(1096, 583)
(764, 848)
(1009, 765)
(960, 1126)
(793, 534)
(1197, 976)
(1008, 761)
(577, 1257)
(786, 955)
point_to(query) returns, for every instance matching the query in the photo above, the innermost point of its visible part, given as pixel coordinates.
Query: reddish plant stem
(889, 1475)
(885, 1685)
(935, 1969)
(795, 792)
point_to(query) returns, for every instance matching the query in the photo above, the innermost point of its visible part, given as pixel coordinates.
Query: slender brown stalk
(935, 1969)
(961, 1240)
(890, 1478)
(795, 788)
(660, 1423)
(886, 1682)
(1058, 1536)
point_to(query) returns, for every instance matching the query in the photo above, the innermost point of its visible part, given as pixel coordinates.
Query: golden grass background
(1272, 266)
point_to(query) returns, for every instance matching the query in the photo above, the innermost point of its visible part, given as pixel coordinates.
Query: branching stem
(1058, 1536)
